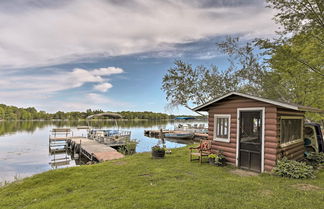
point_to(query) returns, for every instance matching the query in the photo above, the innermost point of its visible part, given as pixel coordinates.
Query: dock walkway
(92, 149)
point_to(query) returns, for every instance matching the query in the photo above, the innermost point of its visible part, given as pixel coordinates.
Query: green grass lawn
(140, 182)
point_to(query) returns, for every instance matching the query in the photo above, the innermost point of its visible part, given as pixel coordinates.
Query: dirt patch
(266, 192)
(306, 187)
(120, 163)
(243, 173)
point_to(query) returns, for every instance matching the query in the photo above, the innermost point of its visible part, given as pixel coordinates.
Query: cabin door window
(250, 140)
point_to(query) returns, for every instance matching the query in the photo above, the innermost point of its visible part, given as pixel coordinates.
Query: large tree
(297, 72)
(291, 68)
(305, 20)
(185, 85)
(298, 15)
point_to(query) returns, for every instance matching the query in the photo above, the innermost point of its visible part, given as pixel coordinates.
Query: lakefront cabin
(254, 132)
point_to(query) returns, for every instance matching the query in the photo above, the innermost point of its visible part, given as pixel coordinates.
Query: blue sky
(112, 55)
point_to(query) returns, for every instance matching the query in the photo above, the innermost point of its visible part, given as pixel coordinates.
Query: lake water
(24, 146)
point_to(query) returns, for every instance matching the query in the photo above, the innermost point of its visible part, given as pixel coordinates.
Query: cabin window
(222, 128)
(291, 129)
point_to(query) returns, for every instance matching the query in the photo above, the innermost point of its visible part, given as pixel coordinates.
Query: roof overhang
(204, 107)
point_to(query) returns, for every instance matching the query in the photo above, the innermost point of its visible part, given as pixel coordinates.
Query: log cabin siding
(270, 141)
(272, 147)
(229, 106)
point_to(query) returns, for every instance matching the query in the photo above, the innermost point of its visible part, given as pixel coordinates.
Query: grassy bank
(140, 182)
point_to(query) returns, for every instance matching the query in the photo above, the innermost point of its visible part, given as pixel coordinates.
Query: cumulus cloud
(46, 91)
(43, 33)
(102, 87)
(107, 71)
(54, 82)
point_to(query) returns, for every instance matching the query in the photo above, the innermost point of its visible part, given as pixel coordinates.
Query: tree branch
(311, 10)
(309, 66)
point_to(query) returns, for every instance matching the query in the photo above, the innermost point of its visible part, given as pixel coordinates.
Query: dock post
(161, 134)
(80, 151)
(73, 148)
(162, 137)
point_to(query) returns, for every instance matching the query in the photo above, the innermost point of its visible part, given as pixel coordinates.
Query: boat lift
(109, 137)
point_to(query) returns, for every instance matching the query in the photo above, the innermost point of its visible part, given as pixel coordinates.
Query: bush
(213, 156)
(293, 169)
(220, 160)
(315, 159)
(217, 159)
(129, 148)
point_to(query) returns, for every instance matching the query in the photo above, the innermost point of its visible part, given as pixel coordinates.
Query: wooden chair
(203, 150)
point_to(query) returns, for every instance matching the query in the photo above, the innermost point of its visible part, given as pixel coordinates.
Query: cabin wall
(229, 106)
(294, 151)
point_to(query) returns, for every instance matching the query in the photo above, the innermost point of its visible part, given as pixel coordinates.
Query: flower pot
(158, 154)
(221, 162)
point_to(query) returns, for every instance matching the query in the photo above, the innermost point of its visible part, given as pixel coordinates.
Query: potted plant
(158, 152)
(220, 160)
(217, 159)
(211, 159)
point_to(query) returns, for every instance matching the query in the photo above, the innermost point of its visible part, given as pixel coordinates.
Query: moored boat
(179, 135)
(112, 137)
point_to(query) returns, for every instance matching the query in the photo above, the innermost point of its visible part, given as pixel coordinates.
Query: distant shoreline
(60, 120)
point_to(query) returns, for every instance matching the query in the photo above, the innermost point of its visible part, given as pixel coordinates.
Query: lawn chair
(203, 150)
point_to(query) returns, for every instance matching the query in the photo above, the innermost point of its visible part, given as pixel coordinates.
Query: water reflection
(24, 145)
(11, 127)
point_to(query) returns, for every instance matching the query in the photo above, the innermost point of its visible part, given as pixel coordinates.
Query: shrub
(220, 159)
(212, 156)
(315, 159)
(217, 159)
(129, 148)
(293, 169)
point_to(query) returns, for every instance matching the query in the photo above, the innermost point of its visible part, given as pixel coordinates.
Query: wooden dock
(201, 135)
(93, 150)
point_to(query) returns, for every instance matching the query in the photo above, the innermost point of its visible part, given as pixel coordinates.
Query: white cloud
(107, 71)
(81, 103)
(102, 87)
(101, 100)
(97, 98)
(54, 82)
(44, 90)
(72, 30)
(79, 76)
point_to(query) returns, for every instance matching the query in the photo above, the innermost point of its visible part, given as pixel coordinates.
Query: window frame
(285, 144)
(227, 116)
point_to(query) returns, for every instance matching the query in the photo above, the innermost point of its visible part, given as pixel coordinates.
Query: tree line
(30, 126)
(30, 113)
(289, 67)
